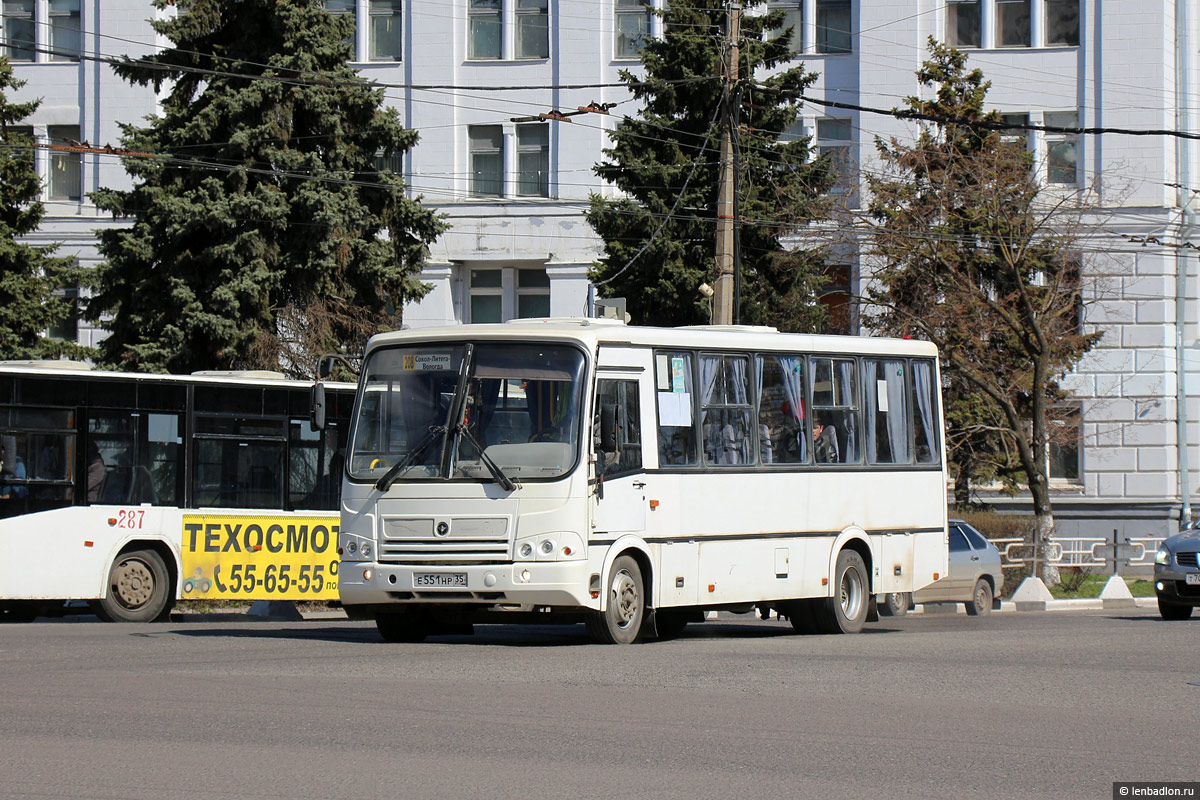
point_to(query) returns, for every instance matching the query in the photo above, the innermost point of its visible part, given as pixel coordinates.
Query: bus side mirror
(611, 423)
(316, 408)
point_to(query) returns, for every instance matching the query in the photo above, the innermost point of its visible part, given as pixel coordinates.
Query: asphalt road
(1054, 705)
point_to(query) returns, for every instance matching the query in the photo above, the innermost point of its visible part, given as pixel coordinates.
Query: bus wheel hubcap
(625, 598)
(851, 594)
(134, 583)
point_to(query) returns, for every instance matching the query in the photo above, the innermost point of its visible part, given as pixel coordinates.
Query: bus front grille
(449, 540)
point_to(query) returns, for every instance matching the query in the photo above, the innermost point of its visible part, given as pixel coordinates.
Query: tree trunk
(962, 489)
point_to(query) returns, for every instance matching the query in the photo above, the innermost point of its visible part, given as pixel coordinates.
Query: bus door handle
(639, 485)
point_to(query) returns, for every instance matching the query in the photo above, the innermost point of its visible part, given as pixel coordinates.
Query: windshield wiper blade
(385, 482)
(505, 482)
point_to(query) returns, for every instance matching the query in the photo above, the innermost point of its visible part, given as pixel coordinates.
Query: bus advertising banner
(252, 557)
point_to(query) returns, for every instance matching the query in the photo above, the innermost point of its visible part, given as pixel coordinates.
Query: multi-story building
(479, 78)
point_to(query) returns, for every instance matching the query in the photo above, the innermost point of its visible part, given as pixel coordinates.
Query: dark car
(1177, 574)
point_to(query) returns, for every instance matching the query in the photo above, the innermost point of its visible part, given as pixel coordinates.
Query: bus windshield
(515, 403)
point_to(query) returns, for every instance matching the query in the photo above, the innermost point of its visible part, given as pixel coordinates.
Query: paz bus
(635, 478)
(127, 492)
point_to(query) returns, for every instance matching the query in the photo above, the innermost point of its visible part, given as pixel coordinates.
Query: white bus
(132, 491)
(636, 478)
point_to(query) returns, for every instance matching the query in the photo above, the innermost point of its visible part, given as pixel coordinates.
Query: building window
(533, 29)
(1066, 432)
(1018, 134)
(64, 30)
(632, 26)
(1062, 149)
(497, 294)
(65, 167)
(833, 26)
(386, 28)
(962, 23)
(793, 17)
(486, 296)
(484, 29)
(1062, 22)
(66, 327)
(533, 293)
(834, 139)
(20, 32)
(835, 297)
(533, 160)
(344, 8)
(487, 160)
(1012, 23)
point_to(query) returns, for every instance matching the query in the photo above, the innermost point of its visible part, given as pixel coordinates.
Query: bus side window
(725, 410)
(676, 428)
(885, 412)
(835, 416)
(925, 413)
(618, 402)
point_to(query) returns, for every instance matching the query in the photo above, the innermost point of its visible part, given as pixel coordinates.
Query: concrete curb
(1083, 604)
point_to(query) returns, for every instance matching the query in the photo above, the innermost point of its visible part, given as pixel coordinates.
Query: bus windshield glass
(516, 403)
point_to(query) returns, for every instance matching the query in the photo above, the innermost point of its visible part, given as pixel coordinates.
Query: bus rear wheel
(621, 620)
(846, 611)
(138, 589)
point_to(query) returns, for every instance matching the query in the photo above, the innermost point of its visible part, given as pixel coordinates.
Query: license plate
(443, 579)
(1192, 579)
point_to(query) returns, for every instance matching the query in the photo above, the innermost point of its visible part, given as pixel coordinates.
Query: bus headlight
(564, 546)
(355, 548)
(365, 548)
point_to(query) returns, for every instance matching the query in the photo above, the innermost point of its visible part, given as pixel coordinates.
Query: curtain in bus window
(314, 467)
(724, 410)
(886, 412)
(928, 447)
(781, 415)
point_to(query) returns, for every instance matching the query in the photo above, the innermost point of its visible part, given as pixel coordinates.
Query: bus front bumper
(555, 583)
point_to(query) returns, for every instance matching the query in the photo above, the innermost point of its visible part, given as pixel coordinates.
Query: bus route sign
(252, 557)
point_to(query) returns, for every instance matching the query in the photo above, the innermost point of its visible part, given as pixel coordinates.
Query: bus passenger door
(619, 489)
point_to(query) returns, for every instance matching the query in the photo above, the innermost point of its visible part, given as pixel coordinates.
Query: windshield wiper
(389, 477)
(497, 473)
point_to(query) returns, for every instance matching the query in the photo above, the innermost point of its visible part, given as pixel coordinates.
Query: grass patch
(1091, 586)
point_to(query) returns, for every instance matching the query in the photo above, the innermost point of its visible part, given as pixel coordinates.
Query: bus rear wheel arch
(139, 588)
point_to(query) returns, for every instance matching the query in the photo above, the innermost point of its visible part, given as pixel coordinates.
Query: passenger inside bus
(825, 442)
(95, 472)
(16, 470)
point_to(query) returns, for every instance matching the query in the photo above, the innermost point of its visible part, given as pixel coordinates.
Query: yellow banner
(245, 557)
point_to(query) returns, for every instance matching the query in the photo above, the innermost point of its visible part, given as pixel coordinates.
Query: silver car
(1177, 575)
(974, 578)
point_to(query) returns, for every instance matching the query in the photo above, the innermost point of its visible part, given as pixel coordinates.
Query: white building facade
(478, 79)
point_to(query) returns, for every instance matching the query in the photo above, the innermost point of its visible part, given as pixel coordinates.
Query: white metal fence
(1087, 552)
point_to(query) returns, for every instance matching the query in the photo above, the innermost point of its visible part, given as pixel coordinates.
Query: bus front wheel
(846, 611)
(138, 589)
(621, 621)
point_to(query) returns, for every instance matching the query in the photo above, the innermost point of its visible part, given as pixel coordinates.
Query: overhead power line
(900, 113)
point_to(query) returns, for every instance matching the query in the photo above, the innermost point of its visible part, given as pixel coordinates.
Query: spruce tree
(263, 231)
(660, 234)
(29, 275)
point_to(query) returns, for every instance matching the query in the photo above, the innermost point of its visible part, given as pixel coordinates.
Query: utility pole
(724, 290)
